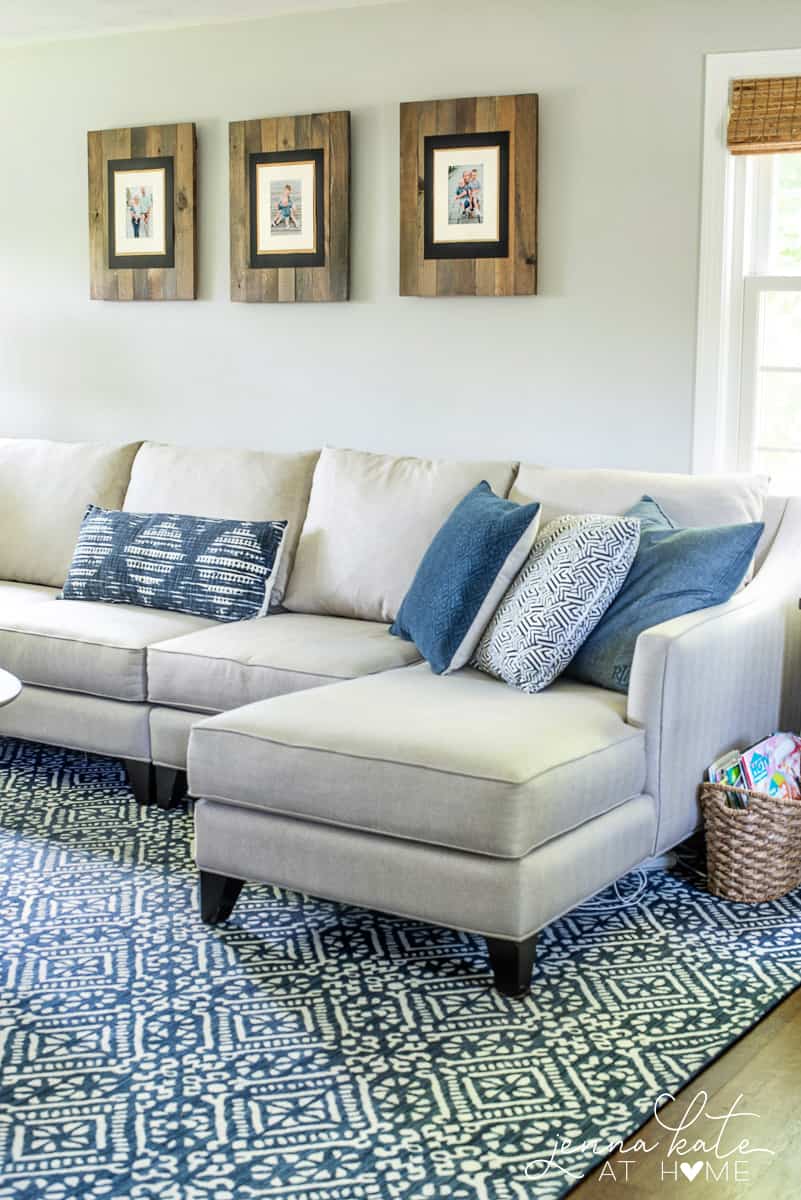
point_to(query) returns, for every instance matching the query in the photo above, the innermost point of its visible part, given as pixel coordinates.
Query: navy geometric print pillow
(206, 566)
(577, 567)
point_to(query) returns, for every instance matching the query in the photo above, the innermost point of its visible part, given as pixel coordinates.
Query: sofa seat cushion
(16, 597)
(83, 646)
(458, 760)
(228, 666)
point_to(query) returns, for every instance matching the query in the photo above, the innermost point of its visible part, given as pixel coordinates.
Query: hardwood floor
(765, 1070)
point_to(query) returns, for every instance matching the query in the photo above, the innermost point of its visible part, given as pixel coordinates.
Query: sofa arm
(713, 680)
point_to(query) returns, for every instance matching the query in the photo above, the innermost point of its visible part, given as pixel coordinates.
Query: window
(769, 417)
(748, 374)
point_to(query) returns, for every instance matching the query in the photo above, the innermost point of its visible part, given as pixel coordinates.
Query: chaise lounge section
(454, 799)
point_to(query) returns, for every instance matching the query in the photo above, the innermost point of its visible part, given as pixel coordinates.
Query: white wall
(596, 369)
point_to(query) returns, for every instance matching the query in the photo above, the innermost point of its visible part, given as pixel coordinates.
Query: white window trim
(716, 434)
(753, 289)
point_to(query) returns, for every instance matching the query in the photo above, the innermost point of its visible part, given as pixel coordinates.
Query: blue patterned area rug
(311, 1051)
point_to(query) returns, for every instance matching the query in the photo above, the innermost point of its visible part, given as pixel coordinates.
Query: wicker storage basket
(753, 853)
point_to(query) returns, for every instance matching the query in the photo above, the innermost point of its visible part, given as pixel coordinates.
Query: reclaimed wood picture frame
(468, 197)
(290, 208)
(143, 213)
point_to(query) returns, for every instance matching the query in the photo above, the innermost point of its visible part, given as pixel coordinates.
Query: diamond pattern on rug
(312, 1051)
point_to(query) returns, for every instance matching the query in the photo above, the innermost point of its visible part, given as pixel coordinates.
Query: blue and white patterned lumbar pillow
(575, 569)
(463, 574)
(207, 566)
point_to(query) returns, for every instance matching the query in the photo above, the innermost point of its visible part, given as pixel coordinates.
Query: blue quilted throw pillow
(463, 575)
(676, 571)
(209, 567)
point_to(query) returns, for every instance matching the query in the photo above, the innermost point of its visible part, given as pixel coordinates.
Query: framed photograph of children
(466, 181)
(468, 196)
(290, 208)
(141, 228)
(143, 212)
(287, 209)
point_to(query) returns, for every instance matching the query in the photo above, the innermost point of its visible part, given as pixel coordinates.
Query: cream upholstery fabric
(82, 646)
(239, 484)
(371, 518)
(226, 666)
(169, 735)
(773, 515)
(90, 723)
(44, 490)
(687, 499)
(500, 897)
(718, 679)
(18, 597)
(458, 760)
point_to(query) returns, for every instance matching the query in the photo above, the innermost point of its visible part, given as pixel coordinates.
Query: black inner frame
(453, 141)
(303, 258)
(143, 262)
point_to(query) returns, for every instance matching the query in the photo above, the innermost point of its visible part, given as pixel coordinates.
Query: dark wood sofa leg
(512, 963)
(171, 786)
(218, 895)
(142, 778)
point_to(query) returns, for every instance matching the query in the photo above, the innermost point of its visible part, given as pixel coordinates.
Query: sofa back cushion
(246, 485)
(45, 488)
(689, 499)
(371, 518)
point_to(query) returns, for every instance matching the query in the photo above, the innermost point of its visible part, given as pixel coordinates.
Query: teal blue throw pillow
(464, 575)
(650, 515)
(675, 571)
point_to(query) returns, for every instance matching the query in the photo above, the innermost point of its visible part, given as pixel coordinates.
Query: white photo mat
(286, 240)
(153, 240)
(488, 229)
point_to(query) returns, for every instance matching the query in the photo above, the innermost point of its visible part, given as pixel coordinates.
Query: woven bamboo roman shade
(765, 115)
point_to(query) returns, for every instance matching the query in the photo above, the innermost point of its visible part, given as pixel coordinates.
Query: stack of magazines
(772, 766)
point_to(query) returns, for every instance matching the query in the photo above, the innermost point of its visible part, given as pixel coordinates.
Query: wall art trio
(468, 204)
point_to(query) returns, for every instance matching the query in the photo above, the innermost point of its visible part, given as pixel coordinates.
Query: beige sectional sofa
(323, 754)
